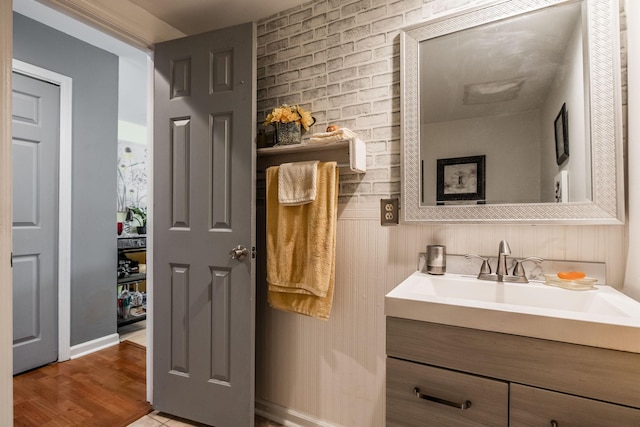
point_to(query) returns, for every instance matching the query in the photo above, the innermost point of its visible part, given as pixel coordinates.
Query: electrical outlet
(389, 211)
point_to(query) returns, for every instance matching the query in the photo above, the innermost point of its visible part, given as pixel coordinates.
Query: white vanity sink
(602, 317)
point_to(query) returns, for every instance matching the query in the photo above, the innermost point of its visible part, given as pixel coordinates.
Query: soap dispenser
(436, 259)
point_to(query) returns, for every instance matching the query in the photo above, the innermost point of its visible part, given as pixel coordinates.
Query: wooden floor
(106, 388)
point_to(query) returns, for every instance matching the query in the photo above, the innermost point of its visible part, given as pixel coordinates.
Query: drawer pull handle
(464, 405)
(554, 423)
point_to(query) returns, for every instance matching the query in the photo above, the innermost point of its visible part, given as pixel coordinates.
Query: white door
(36, 121)
(204, 157)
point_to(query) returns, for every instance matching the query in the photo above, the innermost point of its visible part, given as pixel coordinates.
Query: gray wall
(95, 131)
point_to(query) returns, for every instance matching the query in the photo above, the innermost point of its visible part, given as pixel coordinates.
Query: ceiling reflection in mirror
(497, 91)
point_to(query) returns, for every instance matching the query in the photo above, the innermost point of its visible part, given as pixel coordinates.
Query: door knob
(239, 252)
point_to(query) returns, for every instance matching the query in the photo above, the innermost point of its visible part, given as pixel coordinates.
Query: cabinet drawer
(532, 406)
(489, 398)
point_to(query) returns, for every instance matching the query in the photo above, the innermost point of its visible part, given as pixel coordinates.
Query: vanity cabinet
(508, 379)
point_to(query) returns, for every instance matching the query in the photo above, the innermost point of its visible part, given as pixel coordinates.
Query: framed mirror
(530, 87)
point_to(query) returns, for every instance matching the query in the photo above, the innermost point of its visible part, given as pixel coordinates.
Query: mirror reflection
(504, 114)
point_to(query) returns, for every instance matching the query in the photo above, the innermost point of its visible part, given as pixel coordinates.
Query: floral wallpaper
(132, 175)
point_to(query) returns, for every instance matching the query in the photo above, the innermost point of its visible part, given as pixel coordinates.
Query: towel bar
(264, 171)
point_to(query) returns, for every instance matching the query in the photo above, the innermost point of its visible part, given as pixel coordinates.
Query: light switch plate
(389, 211)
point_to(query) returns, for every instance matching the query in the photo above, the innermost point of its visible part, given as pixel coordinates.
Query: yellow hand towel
(301, 246)
(297, 183)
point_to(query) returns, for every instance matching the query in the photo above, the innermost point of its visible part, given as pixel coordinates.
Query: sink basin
(602, 317)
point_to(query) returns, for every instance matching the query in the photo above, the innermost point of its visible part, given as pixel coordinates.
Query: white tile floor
(156, 419)
(136, 332)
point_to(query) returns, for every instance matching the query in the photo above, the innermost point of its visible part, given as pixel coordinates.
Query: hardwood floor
(106, 388)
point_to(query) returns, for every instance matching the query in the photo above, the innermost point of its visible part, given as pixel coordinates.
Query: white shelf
(347, 153)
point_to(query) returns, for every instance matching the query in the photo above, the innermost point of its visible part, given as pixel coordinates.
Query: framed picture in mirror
(461, 179)
(561, 187)
(561, 127)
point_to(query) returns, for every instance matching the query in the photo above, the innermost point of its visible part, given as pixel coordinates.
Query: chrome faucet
(502, 271)
(503, 251)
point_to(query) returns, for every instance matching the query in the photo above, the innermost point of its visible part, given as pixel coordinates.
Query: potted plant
(140, 216)
(288, 120)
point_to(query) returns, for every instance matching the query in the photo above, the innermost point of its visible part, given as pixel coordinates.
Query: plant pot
(142, 230)
(288, 133)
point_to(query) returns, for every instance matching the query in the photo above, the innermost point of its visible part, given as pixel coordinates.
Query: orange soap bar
(571, 275)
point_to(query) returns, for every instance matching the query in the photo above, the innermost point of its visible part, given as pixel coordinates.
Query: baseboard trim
(286, 416)
(94, 345)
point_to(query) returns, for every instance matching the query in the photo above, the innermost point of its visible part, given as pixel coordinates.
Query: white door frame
(150, 199)
(6, 300)
(64, 198)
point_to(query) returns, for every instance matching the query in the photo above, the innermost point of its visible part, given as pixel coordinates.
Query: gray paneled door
(204, 156)
(36, 122)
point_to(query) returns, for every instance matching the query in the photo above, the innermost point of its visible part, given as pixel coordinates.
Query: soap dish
(584, 284)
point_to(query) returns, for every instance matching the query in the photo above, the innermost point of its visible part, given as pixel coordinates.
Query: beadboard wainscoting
(332, 373)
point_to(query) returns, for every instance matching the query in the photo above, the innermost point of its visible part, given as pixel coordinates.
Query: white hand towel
(297, 183)
(334, 136)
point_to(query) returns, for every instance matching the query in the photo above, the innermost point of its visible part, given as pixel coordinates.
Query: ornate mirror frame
(607, 205)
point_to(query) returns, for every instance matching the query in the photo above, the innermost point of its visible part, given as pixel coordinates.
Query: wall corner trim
(92, 346)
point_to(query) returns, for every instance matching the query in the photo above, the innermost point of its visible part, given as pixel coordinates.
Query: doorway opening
(135, 71)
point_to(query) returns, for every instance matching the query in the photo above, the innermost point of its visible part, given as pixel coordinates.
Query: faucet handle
(518, 270)
(485, 268)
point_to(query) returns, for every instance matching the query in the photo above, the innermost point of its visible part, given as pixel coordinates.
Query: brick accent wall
(340, 59)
